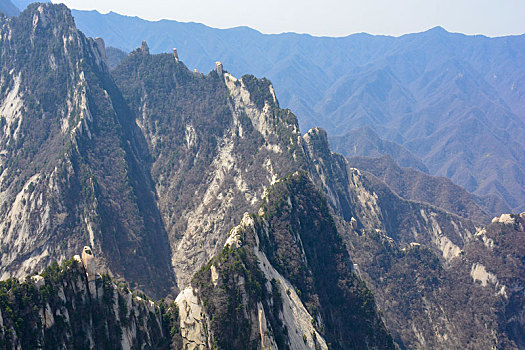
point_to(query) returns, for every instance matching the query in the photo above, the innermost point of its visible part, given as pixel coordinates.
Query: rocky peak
(316, 141)
(220, 130)
(101, 47)
(218, 68)
(279, 267)
(63, 308)
(68, 150)
(144, 48)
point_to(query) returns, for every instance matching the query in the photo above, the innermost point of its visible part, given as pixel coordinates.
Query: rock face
(68, 172)
(438, 191)
(216, 143)
(59, 310)
(88, 260)
(192, 320)
(289, 270)
(152, 166)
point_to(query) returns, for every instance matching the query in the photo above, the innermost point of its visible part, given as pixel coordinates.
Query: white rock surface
(38, 281)
(192, 320)
(267, 342)
(506, 219)
(295, 316)
(89, 263)
(479, 273)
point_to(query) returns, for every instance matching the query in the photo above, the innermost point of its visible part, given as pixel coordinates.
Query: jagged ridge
(61, 309)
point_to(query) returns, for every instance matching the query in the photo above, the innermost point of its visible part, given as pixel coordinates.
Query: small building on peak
(175, 55)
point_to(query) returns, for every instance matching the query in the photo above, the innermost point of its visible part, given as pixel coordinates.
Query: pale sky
(330, 17)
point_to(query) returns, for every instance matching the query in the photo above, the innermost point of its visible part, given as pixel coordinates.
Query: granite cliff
(155, 167)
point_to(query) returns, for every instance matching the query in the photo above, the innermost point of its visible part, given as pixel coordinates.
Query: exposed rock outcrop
(88, 260)
(144, 47)
(71, 173)
(218, 68)
(60, 309)
(155, 169)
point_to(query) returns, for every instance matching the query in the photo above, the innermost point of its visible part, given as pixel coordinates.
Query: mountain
(69, 166)
(287, 260)
(22, 4)
(114, 56)
(459, 299)
(366, 143)
(8, 8)
(215, 144)
(154, 180)
(61, 308)
(201, 188)
(454, 101)
(439, 191)
(416, 258)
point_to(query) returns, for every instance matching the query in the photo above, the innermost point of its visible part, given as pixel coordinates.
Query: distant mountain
(8, 8)
(22, 4)
(365, 142)
(454, 101)
(114, 56)
(439, 191)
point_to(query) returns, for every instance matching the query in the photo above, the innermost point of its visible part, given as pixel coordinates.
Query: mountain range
(8, 8)
(200, 191)
(454, 101)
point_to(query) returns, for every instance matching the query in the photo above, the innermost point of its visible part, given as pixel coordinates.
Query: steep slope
(216, 144)
(434, 274)
(282, 281)
(472, 302)
(70, 171)
(62, 309)
(455, 101)
(289, 270)
(438, 191)
(155, 179)
(374, 207)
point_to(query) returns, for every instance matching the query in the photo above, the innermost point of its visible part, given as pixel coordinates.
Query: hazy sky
(330, 17)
